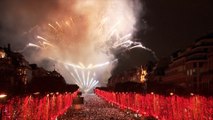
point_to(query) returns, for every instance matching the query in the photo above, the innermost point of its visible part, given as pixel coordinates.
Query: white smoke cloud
(82, 31)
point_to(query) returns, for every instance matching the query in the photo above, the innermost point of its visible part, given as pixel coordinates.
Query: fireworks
(88, 33)
(84, 77)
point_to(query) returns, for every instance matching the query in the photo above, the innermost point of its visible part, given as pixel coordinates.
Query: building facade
(137, 75)
(192, 68)
(15, 72)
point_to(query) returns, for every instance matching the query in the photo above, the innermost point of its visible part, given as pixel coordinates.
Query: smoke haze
(68, 31)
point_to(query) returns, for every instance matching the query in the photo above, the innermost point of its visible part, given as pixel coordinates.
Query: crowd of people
(95, 108)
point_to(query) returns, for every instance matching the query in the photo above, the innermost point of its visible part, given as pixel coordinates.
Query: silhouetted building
(46, 81)
(158, 71)
(135, 75)
(7, 73)
(17, 76)
(14, 71)
(192, 68)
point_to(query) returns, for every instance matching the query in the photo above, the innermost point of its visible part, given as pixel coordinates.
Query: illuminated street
(96, 109)
(106, 60)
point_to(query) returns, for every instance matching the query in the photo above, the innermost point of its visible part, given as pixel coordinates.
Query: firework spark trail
(108, 24)
(39, 37)
(84, 76)
(86, 81)
(33, 45)
(52, 26)
(76, 80)
(29, 45)
(143, 47)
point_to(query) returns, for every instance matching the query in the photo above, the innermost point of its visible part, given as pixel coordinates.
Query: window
(193, 70)
(2, 54)
(190, 72)
(187, 72)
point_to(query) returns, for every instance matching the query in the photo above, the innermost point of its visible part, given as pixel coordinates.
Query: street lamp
(2, 96)
(2, 101)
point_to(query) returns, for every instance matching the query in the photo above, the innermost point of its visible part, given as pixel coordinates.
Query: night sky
(175, 24)
(168, 25)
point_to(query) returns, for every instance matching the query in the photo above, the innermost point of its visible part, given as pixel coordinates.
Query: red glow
(162, 107)
(32, 108)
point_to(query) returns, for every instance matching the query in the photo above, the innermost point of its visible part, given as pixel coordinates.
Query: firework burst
(88, 33)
